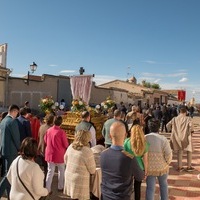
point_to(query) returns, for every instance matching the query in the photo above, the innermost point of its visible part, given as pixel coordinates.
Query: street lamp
(33, 68)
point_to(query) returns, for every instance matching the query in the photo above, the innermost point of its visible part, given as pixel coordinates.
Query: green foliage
(151, 85)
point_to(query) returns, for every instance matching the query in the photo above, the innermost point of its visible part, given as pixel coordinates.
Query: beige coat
(181, 137)
(79, 166)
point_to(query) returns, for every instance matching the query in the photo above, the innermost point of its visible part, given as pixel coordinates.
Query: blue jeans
(151, 182)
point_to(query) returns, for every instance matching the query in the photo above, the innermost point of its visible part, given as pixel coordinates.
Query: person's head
(23, 111)
(118, 133)
(3, 115)
(26, 103)
(158, 107)
(85, 115)
(149, 112)
(13, 110)
(123, 115)
(183, 110)
(154, 125)
(28, 149)
(58, 120)
(82, 138)
(137, 140)
(134, 108)
(117, 114)
(49, 119)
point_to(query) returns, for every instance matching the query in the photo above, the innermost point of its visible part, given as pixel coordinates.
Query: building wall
(2, 92)
(54, 86)
(153, 97)
(124, 85)
(64, 92)
(59, 88)
(99, 95)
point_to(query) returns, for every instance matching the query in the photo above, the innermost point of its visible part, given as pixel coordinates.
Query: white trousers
(50, 174)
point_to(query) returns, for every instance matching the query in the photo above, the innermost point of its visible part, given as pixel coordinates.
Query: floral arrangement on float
(57, 106)
(107, 104)
(78, 105)
(46, 104)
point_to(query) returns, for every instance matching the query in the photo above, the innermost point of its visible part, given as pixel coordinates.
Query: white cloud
(149, 61)
(150, 79)
(157, 80)
(53, 65)
(184, 79)
(18, 75)
(100, 79)
(67, 71)
(157, 63)
(164, 75)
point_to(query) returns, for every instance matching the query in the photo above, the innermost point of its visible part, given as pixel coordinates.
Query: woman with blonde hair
(80, 164)
(137, 146)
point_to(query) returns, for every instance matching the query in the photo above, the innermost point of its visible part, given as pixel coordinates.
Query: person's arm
(65, 158)
(169, 125)
(138, 173)
(64, 139)
(90, 162)
(9, 174)
(191, 127)
(40, 140)
(93, 138)
(15, 133)
(167, 151)
(37, 181)
(145, 161)
(103, 131)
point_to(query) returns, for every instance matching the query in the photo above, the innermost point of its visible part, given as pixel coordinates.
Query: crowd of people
(133, 151)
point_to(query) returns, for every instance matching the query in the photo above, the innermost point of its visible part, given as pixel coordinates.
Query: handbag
(41, 198)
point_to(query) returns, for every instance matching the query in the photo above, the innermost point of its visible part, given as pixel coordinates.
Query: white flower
(98, 107)
(61, 107)
(53, 107)
(80, 103)
(56, 104)
(102, 104)
(105, 107)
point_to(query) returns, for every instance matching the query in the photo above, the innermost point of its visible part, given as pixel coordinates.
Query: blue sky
(154, 40)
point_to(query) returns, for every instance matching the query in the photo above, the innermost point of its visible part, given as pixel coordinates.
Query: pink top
(56, 144)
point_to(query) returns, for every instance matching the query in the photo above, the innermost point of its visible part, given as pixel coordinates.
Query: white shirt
(93, 134)
(32, 177)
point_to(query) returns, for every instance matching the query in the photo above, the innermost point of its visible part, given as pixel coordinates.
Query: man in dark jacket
(24, 124)
(118, 167)
(10, 143)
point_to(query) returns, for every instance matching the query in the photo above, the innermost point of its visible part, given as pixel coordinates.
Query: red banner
(181, 95)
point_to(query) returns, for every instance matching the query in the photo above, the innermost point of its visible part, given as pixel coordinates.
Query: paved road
(182, 186)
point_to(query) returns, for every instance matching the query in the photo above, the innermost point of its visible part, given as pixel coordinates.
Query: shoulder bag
(41, 198)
